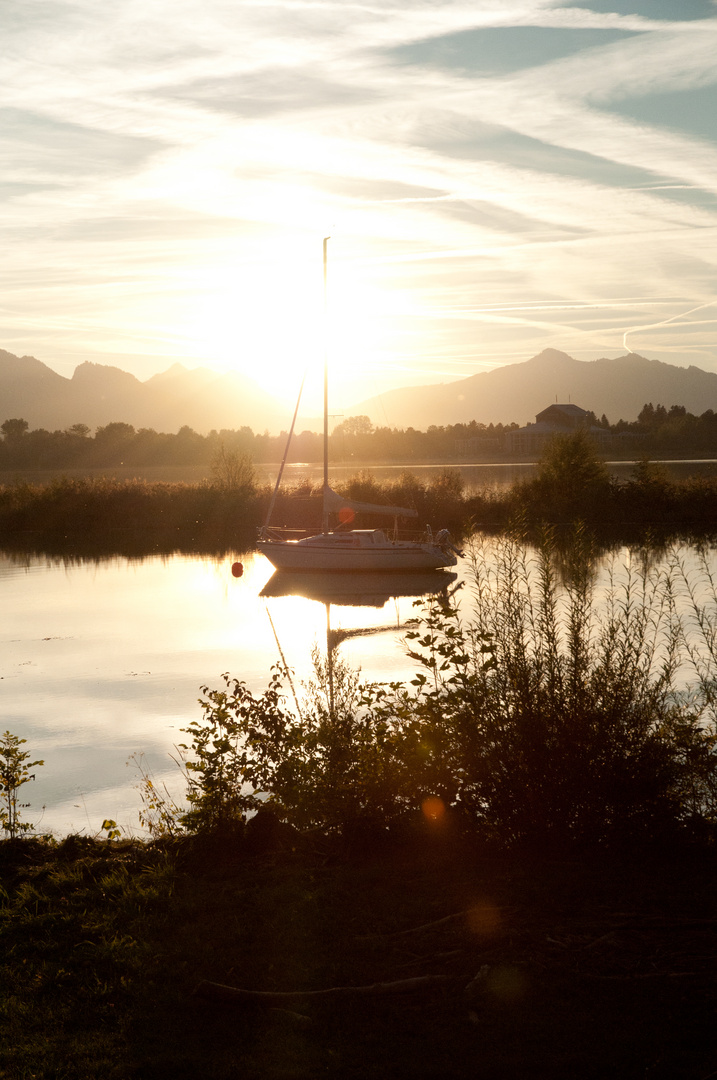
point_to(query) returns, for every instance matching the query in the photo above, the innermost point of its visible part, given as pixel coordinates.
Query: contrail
(665, 322)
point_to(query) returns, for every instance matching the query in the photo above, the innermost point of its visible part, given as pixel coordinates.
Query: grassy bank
(126, 517)
(587, 968)
(132, 517)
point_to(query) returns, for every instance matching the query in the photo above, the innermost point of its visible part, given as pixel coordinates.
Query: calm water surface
(476, 476)
(103, 660)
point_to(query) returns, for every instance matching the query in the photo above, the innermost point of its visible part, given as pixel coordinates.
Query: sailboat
(349, 549)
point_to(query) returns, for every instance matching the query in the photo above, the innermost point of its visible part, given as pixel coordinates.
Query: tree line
(119, 443)
(657, 430)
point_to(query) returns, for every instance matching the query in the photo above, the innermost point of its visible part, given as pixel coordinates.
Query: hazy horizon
(497, 178)
(68, 371)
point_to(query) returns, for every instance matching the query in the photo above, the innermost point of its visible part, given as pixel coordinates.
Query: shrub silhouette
(552, 715)
(571, 483)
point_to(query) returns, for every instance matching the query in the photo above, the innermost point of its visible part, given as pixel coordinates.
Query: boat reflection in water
(367, 589)
(373, 589)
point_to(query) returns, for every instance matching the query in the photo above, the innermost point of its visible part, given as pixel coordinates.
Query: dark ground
(590, 967)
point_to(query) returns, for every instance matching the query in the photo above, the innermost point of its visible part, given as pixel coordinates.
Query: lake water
(102, 660)
(476, 476)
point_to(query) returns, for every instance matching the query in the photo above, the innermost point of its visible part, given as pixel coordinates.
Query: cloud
(482, 152)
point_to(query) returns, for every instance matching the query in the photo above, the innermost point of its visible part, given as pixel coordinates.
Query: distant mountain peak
(179, 374)
(617, 387)
(176, 370)
(203, 399)
(554, 356)
(98, 394)
(24, 365)
(89, 372)
(632, 358)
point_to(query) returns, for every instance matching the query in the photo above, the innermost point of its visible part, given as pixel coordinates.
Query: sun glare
(266, 320)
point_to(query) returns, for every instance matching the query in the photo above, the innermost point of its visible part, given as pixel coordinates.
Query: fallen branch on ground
(219, 992)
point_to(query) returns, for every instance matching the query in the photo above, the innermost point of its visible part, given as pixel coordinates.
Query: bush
(327, 763)
(573, 730)
(572, 483)
(553, 715)
(14, 772)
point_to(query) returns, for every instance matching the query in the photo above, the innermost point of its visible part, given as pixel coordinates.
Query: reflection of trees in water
(25, 554)
(665, 588)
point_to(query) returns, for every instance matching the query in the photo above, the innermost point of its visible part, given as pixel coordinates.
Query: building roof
(568, 410)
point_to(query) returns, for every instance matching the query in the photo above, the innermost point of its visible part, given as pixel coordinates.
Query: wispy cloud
(463, 155)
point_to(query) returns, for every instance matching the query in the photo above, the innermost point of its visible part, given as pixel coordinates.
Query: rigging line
(286, 452)
(283, 660)
(325, 512)
(330, 661)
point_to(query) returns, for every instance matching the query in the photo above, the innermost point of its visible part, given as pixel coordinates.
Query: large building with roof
(557, 419)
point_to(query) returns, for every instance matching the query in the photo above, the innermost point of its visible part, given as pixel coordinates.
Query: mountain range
(203, 399)
(617, 388)
(98, 394)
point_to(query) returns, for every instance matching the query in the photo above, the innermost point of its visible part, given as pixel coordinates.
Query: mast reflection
(368, 589)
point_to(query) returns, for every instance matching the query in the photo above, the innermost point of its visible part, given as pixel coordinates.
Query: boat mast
(325, 517)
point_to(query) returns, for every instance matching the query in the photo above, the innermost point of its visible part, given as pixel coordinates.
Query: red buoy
(237, 569)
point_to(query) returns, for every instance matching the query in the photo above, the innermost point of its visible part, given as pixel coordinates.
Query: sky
(497, 177)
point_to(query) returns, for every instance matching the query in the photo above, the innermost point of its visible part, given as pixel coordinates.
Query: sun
(266, 319)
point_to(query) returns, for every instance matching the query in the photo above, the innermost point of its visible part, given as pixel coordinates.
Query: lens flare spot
(484, 919)
(346, 515)
(433, 808)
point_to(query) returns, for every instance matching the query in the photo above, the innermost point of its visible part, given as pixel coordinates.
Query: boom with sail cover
(335, 503)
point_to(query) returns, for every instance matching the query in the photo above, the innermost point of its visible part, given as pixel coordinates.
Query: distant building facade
(477, 445)
(555, 420)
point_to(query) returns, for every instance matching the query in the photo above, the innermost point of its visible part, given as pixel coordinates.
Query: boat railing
(281, 532)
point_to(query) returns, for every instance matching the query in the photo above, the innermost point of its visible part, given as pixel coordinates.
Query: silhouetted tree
(14, 429)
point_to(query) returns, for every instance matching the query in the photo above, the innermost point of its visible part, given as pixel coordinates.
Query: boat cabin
(357, 538)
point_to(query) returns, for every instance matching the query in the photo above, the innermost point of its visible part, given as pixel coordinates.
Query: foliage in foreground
(14, 772)
(559, 710)
(102, 946)
(552, 714)
(79, 927)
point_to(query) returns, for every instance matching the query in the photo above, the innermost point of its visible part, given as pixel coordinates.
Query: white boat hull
(355, 552)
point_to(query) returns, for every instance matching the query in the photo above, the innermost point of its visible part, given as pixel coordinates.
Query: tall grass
(128, 516)
(570, 484)
(572, 730)
(554, 708)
